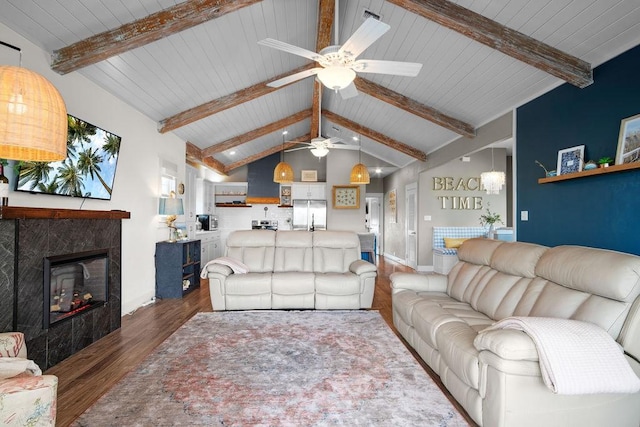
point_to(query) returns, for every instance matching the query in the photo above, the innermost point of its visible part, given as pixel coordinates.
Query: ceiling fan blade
(276, 44)
(410, 69)
(293, 77)
(345, 147)
(370, 31)
(349, 91)
(296, 149)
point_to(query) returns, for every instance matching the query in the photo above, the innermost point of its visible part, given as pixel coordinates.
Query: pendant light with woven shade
(283, 173)
(359, 173)
(33, 116)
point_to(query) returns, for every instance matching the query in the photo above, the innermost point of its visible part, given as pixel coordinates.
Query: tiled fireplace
(28, 236)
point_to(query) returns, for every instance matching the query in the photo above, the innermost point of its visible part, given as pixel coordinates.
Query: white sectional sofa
(292, 270)
(495, 375)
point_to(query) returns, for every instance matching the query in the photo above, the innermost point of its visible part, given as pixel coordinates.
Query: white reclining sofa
(292, 270)
(495, 374)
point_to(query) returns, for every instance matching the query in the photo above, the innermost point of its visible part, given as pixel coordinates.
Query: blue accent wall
(260, 175)
(599, 211)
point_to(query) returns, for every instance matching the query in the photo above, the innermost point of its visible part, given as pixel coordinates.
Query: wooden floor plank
(90, 373)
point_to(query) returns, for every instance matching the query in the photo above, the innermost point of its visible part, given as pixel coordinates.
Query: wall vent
(368, 14)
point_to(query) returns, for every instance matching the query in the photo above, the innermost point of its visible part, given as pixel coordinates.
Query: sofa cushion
(292, 290)
(517, 258)
(248, 284)
(610, 274)
(457, 352)
(294, 251)
(255, 248)
(337, 283)
(478, 250)
(334, 251)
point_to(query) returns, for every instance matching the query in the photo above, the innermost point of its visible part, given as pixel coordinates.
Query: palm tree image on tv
(88, 170)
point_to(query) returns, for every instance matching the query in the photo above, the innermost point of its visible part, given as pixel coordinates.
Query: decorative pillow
(235, 265)
(453, 243)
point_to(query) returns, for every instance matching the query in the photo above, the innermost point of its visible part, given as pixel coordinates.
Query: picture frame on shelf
(570, 160)
(309, 175)
(346, 197)
(629, 141)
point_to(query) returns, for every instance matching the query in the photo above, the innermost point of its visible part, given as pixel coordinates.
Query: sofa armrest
(360, 267)
(508, 344)
(419, 282)
(28, 400)
(223, 270)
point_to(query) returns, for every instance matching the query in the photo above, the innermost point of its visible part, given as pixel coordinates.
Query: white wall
(339, 165)
(137, 177)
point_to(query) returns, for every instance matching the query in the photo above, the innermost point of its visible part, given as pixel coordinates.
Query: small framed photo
(629, 141)
(570, 160)
(309, 175)
(346, 197)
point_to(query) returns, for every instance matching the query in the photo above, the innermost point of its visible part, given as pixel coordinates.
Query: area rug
(277, 368)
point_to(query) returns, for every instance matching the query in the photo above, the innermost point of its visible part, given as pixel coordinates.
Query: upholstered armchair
(26, 396)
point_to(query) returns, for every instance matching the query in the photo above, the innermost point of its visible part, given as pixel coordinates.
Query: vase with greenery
(490, 219)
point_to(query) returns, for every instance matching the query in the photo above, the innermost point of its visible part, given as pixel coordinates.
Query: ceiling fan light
(320, 151)
(336, 78)
(33, 117)
(492, 182)
(359, 174)
(283, 173)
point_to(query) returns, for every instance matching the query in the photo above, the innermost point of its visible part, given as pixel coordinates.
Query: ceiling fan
(320, 146)
(338, 63)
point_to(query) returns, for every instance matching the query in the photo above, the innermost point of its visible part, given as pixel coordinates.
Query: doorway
(411, 225)
(374, 217)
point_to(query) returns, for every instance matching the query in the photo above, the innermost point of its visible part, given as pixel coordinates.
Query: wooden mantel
(17, 212)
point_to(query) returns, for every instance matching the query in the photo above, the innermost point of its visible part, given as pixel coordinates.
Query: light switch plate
(524, 215)
(427, 217)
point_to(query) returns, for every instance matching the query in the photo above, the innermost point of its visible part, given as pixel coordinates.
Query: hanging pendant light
(33, 116)
(359, 173)
(492, 181)
(283, 173)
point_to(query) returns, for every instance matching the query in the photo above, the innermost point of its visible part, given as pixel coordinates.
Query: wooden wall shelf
(597, 171)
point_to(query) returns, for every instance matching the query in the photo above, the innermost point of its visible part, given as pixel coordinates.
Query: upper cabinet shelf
(597, 171)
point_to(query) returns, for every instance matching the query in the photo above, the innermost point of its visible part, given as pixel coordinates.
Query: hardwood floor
(87, 375)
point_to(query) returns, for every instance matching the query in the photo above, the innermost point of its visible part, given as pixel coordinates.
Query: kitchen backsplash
(230, 219)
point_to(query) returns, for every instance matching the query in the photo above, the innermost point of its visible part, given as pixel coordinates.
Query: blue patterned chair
(444, 258)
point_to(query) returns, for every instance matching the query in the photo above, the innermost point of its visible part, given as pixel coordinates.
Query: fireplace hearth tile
(39, 238)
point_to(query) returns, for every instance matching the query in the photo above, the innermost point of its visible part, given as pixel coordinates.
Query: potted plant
(490, 219)
(605, 162)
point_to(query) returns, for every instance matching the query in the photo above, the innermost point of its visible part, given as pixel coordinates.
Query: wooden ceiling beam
(510, 42)
(414, 107)
(376, 136)
(256, 133)
(194, 155)
(270, 151)
(326, 13)
(138, 33)
(223, 103)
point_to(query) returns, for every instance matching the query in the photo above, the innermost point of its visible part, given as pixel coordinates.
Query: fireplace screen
(74, 283)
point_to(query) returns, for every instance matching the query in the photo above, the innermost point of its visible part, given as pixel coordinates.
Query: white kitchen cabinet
(306, 191)
(210, 246)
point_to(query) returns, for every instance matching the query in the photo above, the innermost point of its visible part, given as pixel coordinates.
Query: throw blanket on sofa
(576, 357)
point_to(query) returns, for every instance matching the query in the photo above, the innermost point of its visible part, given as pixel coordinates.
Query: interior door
(411, 225)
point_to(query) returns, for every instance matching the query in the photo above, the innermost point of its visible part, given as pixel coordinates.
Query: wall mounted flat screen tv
(88, 171)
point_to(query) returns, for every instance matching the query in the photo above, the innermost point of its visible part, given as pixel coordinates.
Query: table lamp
(172, 207)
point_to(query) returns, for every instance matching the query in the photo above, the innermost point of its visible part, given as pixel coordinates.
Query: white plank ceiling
(460, 77)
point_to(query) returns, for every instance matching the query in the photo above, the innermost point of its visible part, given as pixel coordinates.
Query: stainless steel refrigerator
(310, 215)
